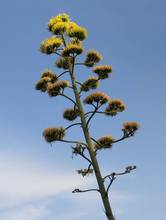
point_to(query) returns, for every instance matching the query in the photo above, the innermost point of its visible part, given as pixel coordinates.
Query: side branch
(113, 142)
(67, 97)
(72, 125)
(90, 112)
(76, 64)
(114, 175)
(93, 113)
(80, 151)
(122, 138)
(57, 53)
(87, 190)
(73, 142)
(62, 74)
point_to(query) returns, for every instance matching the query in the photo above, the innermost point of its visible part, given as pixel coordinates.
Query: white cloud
(25, 213)
(25, 188)
(22, 183)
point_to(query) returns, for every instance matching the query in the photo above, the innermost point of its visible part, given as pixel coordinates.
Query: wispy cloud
(22, 183)
(26, 192)
(25, 213)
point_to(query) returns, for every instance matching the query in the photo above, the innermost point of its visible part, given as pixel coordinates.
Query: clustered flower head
(58, 24)
(114, 106)
(63, 62)
(85, 172)
(75, 31)
(92, 57)
(91, 83)
(78, 149)
(49, 74)
(47, 78)
(96, 97)
(71, 114)
(50, 45)
(72, 50)
(102, 71)
(54, 89)
(104, 142)
(61, 24)
(54, 134)
(130, 128)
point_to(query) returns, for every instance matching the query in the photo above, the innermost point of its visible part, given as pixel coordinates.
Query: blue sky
(37, 180)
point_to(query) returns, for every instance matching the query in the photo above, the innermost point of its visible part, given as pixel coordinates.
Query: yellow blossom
(59, 18)
(50, 45)
(72, 49)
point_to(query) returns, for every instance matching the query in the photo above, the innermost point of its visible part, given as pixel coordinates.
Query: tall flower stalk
(67, 44)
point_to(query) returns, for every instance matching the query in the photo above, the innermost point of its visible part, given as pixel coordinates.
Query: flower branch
(114, 175)
(67, 97)
(87, 190)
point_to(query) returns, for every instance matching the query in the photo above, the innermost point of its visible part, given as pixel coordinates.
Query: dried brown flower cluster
(114, 106)
(102, 71)
(53, 134)
(130, 127)
(85, 172)
(47, 77)
(92, 57)
(91, 83)
(96, 97)
(54, 89)
(104, 142)
(63, 62)
(50, 74)
(71, 114)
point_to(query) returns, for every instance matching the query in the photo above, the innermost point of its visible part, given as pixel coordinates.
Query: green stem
(102, 190)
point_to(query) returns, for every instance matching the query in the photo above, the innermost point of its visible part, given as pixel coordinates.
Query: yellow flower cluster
(72, 50)
(75, 31)
(61, 24)
(50, 45)
(61, 19)
(54, 134)
(104, 142)
(115, 106)
(96, 97)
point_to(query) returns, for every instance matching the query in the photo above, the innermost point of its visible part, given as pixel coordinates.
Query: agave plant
(67, 44)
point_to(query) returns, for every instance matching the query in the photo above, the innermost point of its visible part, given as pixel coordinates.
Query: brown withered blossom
(102, 71)
(104, 142)
(96, 97)
(71, 114)
(54, 134)
(115, 106)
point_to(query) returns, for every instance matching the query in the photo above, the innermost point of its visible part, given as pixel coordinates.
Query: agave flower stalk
(68, 42)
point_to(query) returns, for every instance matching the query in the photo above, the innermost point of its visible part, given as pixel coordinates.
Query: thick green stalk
(102, 190)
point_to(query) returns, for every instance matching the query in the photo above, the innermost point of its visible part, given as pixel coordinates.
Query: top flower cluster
(61, 24)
